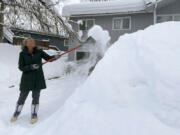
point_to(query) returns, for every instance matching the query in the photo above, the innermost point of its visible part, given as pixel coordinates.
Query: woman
(30, 63)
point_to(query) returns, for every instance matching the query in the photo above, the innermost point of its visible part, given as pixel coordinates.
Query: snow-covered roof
(106, 7)
(8, 34)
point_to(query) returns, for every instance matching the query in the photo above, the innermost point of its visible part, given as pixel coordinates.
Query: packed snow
(134, 90)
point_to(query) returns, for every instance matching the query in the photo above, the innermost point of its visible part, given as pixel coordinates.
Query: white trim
(66, 45)
(125, 17)
(94, 21)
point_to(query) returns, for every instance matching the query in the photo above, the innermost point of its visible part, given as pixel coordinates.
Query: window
(82, 55)
(166, 18)
(86, 24)
(82, 26)
(122, 23)
(177, 18)
(89, 24)
(161, 19)
(66, 42)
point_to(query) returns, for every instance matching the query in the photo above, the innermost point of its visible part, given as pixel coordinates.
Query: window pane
(164, 19)
(117, 23)
(82, 55)
(126, 23)
(66, 42)
(90, 24)
(83, 25)
(177, 18)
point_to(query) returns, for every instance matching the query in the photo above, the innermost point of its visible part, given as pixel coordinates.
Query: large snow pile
(9, 72)
(134, 90)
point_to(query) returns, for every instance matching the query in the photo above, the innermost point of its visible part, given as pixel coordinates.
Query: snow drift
(134, 89)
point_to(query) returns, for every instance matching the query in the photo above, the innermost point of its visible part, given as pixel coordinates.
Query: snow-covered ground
(61, 84)
(134, 90)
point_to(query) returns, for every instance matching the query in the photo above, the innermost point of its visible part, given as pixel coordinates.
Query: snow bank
(10, 74)
(134, 90)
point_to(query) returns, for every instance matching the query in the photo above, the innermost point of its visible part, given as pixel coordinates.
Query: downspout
(155, 12)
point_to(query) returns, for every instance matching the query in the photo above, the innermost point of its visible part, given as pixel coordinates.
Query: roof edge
(110, 14)
(38, 32)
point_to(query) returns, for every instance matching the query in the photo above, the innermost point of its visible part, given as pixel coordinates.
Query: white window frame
(126, 17)
(172, 15)
(75, 58)
(65, 42)
(86, 22)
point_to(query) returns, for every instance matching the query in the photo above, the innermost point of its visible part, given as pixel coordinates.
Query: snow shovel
(89, 40)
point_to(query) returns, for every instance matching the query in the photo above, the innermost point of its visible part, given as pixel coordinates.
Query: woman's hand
(57, 57)
(34, 66)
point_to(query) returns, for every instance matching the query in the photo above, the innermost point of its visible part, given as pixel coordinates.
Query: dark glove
(57, 57)
(35, 66)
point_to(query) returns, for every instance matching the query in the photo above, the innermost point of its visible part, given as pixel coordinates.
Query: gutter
(110, 14)
(152, 6)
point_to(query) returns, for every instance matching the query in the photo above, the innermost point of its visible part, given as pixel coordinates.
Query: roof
(8, 34)
(38, 32)
(106, 7)
(109, 7)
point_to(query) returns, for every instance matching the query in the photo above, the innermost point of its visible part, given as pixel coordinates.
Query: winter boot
(16, 113)
(34, 111)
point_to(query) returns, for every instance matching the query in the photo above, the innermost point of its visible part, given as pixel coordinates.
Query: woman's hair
(25, 42)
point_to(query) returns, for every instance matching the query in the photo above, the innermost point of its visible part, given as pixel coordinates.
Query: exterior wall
(139, 21)
(55, 41)
(172, 8)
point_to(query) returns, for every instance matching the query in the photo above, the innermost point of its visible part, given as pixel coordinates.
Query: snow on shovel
(89, 40)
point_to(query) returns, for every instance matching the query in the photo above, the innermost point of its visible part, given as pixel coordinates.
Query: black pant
(23, 95)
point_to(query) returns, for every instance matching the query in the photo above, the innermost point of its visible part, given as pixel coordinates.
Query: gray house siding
(172, 8)
(138, 21)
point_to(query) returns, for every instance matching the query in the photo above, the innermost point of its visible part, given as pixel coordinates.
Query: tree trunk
(1, 20)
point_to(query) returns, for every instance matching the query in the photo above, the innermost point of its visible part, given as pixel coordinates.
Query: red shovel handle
(63, 54)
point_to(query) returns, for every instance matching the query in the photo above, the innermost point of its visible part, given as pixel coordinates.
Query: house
(43, 39)
(119, 16)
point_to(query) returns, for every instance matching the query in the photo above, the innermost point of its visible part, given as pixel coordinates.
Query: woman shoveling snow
(30, 63)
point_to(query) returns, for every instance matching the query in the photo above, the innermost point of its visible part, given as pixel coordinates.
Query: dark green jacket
(32, 79)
